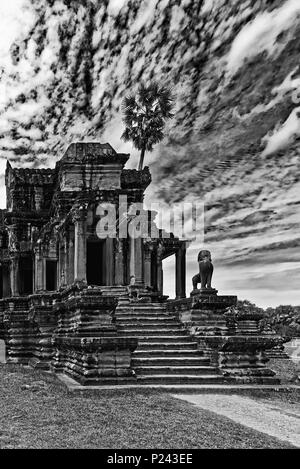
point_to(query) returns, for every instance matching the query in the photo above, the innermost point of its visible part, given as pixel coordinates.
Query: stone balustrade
(230, 336)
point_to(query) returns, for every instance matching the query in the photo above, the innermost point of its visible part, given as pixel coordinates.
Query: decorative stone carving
(86, 341)
(13, 243)
(230, 335)
(131, 178)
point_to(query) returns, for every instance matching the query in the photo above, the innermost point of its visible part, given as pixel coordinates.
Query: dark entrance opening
(96, 263)
(5, 280)
(26, 275)
(51, 275)
(153, 271)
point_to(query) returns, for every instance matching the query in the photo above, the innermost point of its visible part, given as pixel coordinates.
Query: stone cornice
(134, 179)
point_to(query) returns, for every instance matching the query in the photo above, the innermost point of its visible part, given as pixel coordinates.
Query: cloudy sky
(234, 141)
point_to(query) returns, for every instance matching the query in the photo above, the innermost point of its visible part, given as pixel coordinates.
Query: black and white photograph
(149, 227)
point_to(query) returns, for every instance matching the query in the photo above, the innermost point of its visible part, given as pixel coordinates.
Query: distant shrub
(284, 319)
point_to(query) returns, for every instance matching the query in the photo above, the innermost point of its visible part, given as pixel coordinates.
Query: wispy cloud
(262, 33)
(284, 135)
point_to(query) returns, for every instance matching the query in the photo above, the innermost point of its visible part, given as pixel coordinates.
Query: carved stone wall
(72, 332)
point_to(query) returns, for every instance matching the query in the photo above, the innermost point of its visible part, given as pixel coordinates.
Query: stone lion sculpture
(206, 269)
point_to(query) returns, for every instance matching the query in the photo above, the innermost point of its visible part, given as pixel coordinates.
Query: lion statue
(205, 271)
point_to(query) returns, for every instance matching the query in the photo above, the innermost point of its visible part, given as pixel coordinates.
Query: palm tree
(145, 115)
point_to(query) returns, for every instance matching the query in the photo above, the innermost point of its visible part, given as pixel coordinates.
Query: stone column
(110, 261)
(160, 278)
(43, 262)
(181, 272)
(119, 262)
(39, 274)
(38, 198)
(159, 269)
(147, 264)
(136, 259)
(70, 258)
(62, 263)
(14, 275)
(80, 246)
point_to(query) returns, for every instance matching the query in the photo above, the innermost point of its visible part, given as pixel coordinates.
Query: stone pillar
(62, 263)
(159, 269)
(147, 265)
(38, 198)
(14, 275)
(159, 277)
(39, 274)
(43, 262)
(69, 270)
(136, 259)
(80, 247)
(110, 256)
(119, 262)
(181, 272)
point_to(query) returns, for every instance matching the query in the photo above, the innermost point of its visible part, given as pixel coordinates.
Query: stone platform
(101, 337)
(75, 388)
(229, 336)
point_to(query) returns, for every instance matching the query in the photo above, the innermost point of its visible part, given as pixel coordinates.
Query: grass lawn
(288, 373)
(36, 412)
(287, 370)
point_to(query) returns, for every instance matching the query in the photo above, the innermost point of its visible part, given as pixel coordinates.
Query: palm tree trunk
(141, 162)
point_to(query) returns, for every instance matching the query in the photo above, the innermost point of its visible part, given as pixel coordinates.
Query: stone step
(146, 320)
(117, 293)
(144, 306)
(144, 333)
(174, 370)
(180, 379)
(165, 352)
(155, 343)
(142, 312)
(143, 315)
(169, 361)
(150, 326)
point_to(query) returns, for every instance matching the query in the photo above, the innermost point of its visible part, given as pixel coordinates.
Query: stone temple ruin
(93, 307)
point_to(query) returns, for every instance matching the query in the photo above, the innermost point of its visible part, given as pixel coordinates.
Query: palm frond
(126, 135)
(128, 103)
(145, 114)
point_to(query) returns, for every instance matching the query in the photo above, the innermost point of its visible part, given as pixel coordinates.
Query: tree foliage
(145, 115)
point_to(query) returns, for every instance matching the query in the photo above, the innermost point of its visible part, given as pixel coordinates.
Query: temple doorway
(26, 275)
(5, 281)
(169, 277)
(51, 275)
(2, 351)
(96, 262)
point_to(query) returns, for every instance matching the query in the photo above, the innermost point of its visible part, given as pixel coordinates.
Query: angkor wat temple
(93, 307)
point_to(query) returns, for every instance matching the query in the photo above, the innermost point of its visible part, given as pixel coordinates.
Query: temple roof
(33, 176)
(77, 152)
(81, 152)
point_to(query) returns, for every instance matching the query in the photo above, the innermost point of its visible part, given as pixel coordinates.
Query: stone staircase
(166, 354)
